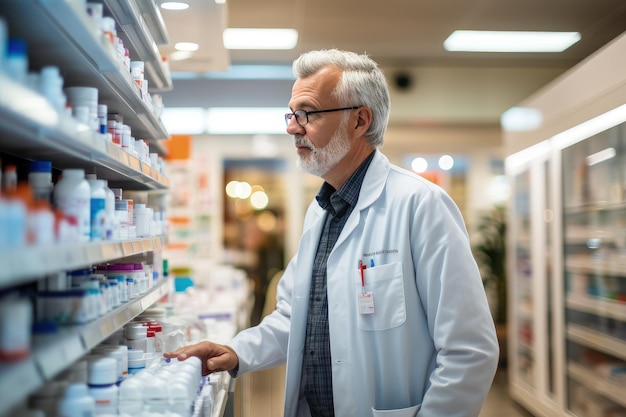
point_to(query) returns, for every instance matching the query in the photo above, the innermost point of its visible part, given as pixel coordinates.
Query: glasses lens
(288, 117)
(301, 117)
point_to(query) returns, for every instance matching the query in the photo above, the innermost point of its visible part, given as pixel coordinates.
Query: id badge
(366, 303)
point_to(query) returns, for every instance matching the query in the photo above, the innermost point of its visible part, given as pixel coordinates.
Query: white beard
(322, 160)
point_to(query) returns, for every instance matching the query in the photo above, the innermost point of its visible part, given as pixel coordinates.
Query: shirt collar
(337, 202)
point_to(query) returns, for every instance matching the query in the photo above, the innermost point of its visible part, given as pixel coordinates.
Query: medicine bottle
(102, 376)
(77, 402)
(136, 336)
(72, 195)
(109, 209)
(16, 60)
(97, 214)
(15, 328)
(40, 180)
(9, 178)
(141, 218)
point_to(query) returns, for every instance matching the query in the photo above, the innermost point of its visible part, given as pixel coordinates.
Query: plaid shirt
(317, 369)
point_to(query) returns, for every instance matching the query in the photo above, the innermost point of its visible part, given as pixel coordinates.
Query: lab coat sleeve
(459, 320)
(265, 345)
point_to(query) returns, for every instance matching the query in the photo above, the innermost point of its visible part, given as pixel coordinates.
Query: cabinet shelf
(597, 340)
(602, 307)
(594, 207)
(25, 264)
(41, 133)
(53, 353)
(613, 266)
(140, 41)
(60, 33)
(597, 384)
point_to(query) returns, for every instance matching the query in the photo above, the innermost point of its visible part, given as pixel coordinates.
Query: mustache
(302, 142)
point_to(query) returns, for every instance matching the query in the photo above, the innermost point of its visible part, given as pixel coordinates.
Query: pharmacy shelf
(52, 353)
(592, 381)
(597, 340)
(598, 306)
(154, 20)
(612, 265)
(22, 265)
(40, 132)
(59, 33)
(137, 36)
(600, 206)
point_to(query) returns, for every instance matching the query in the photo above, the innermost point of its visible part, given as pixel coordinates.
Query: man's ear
(363, 120)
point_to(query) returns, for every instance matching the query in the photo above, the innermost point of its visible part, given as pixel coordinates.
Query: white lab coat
(429, 349)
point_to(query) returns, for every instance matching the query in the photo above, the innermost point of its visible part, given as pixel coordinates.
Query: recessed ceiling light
(186, 46)
(174, 5)
(236, 38)
(509, 41)
(180, 55)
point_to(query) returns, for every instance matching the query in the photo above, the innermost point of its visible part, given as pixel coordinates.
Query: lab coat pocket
(385, 283)
(404, 412)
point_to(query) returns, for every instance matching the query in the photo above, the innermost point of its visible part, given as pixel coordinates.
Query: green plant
(490, 254)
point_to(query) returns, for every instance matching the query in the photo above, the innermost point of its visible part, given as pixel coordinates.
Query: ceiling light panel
(186, 46)
(174, 5)
(249, 38)
(509, 41)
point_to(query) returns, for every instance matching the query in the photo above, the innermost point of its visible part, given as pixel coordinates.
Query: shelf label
(111, 251)
(128, 248)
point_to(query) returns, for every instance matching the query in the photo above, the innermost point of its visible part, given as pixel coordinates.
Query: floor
(498, 403)
(260, 395)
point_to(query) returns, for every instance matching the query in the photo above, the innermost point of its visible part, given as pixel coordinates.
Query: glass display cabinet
(594, 254)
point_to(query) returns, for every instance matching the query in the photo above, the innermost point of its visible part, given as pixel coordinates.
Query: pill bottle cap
(40, 166)
(102, 370)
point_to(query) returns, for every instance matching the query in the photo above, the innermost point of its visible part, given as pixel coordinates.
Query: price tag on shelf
(134, 163)
(128, 248)
(111, 250)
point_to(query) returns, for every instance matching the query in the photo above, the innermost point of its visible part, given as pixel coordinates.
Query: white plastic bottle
(97, 213)
(72, 195)
(141, 218)
(77, 402)
(16, 60)
(102, 376)
(40, 180)
(109, 209)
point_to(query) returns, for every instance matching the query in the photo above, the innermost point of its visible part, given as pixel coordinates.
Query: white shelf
(597, 340)
(154, 20)
(594, 207)
(53, 353)
(139, 39)
(59, 33)
(614, 265)
(39, 132)
(22, 265)
(598, 306)
(597, 384)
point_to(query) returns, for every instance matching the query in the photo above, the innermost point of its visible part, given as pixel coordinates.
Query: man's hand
(214, 357)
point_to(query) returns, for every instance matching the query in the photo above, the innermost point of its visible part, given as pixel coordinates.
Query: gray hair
(362, 84)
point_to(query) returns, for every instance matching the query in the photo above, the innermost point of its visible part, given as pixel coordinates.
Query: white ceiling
(404, 36)
(406, 32)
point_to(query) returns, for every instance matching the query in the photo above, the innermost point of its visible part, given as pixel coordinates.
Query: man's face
(323, 142)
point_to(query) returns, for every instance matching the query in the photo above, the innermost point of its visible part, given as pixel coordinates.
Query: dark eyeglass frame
(305, 113)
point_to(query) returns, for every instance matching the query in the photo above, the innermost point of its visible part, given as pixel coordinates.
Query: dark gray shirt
(317, 369)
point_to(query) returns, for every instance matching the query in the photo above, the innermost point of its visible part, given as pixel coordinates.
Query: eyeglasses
(302, 116)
